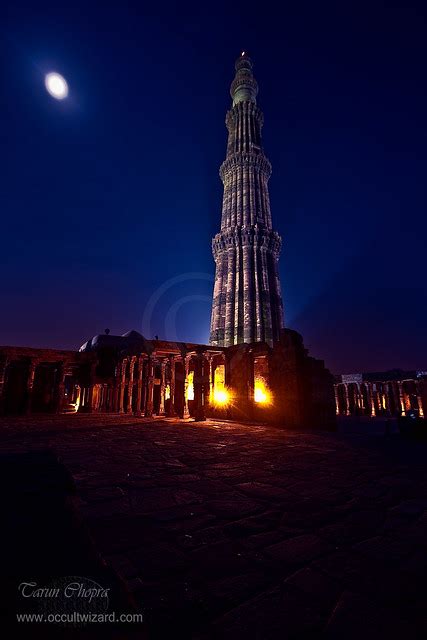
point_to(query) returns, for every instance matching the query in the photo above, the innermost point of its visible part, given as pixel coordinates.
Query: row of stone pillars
(137, 374)
(379, 396)
(28, 371)
(131, 391)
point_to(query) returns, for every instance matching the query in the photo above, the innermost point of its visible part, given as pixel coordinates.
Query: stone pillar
(362, 400)
(122, 387)
(149, 388)
(162, 411)
(199, 413)
(186, 366)
(337, 404)
(171, 410)
(419, 400)
(358, 397)
(396, 399)
(377, 396)
(247, 396)
(102, 394)
(347, 401)
(3, 369)
(386, 400)
(89, 401)
(370, 391)
(60, 390)
(30, 385)
(130, 384)
(140, 371)
(209, 391)
(116, 389)
(401, 398)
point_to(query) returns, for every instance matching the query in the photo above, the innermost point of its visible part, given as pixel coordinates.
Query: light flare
(262, 394)
(221, 397)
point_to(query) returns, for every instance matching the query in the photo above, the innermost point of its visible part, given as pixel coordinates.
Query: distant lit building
(386, 393)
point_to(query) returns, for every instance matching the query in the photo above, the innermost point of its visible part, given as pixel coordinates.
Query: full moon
(56, 85)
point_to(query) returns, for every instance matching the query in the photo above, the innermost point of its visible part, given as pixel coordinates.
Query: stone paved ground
(224, 530)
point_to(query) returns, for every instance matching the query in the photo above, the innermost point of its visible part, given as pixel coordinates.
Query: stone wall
(154, 378)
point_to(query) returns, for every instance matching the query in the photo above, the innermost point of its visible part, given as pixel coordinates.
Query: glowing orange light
(262, 394)
(190, 386)
(77, 401)
(221, 396)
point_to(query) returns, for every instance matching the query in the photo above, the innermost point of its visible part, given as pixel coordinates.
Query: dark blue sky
(108, 195)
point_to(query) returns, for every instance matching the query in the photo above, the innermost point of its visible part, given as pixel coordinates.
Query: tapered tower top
(244, 87)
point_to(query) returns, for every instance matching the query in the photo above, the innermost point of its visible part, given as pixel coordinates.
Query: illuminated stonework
(129, 374)
(386, 393)
(247, 300)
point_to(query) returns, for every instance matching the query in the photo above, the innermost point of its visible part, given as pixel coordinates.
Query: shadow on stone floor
(225, 530)
(45, 544)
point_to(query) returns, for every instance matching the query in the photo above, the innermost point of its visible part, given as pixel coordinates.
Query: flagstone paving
(224, 530)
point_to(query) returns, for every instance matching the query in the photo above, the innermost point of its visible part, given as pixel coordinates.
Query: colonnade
(380, 398)
(34, 384)
(143, 385)
(165, 384)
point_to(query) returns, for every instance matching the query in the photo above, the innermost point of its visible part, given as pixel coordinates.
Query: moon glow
(56, 85)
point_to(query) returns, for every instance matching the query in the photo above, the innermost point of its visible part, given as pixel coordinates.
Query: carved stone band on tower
(247, 300)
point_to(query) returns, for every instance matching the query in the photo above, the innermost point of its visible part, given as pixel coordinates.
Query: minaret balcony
(254, 158)
(255, 236)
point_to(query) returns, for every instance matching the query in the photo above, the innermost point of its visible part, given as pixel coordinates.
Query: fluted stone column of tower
(247, 300)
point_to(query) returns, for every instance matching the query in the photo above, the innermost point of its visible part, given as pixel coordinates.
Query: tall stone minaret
(247, 300)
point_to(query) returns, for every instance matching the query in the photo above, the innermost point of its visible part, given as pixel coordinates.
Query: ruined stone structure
(45, 380)
(386, 393)
(131, 375)
(247, 301)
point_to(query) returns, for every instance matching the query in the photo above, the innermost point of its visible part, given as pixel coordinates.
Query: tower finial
(244, 87)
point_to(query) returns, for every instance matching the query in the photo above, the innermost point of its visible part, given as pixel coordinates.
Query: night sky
(112, 193)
